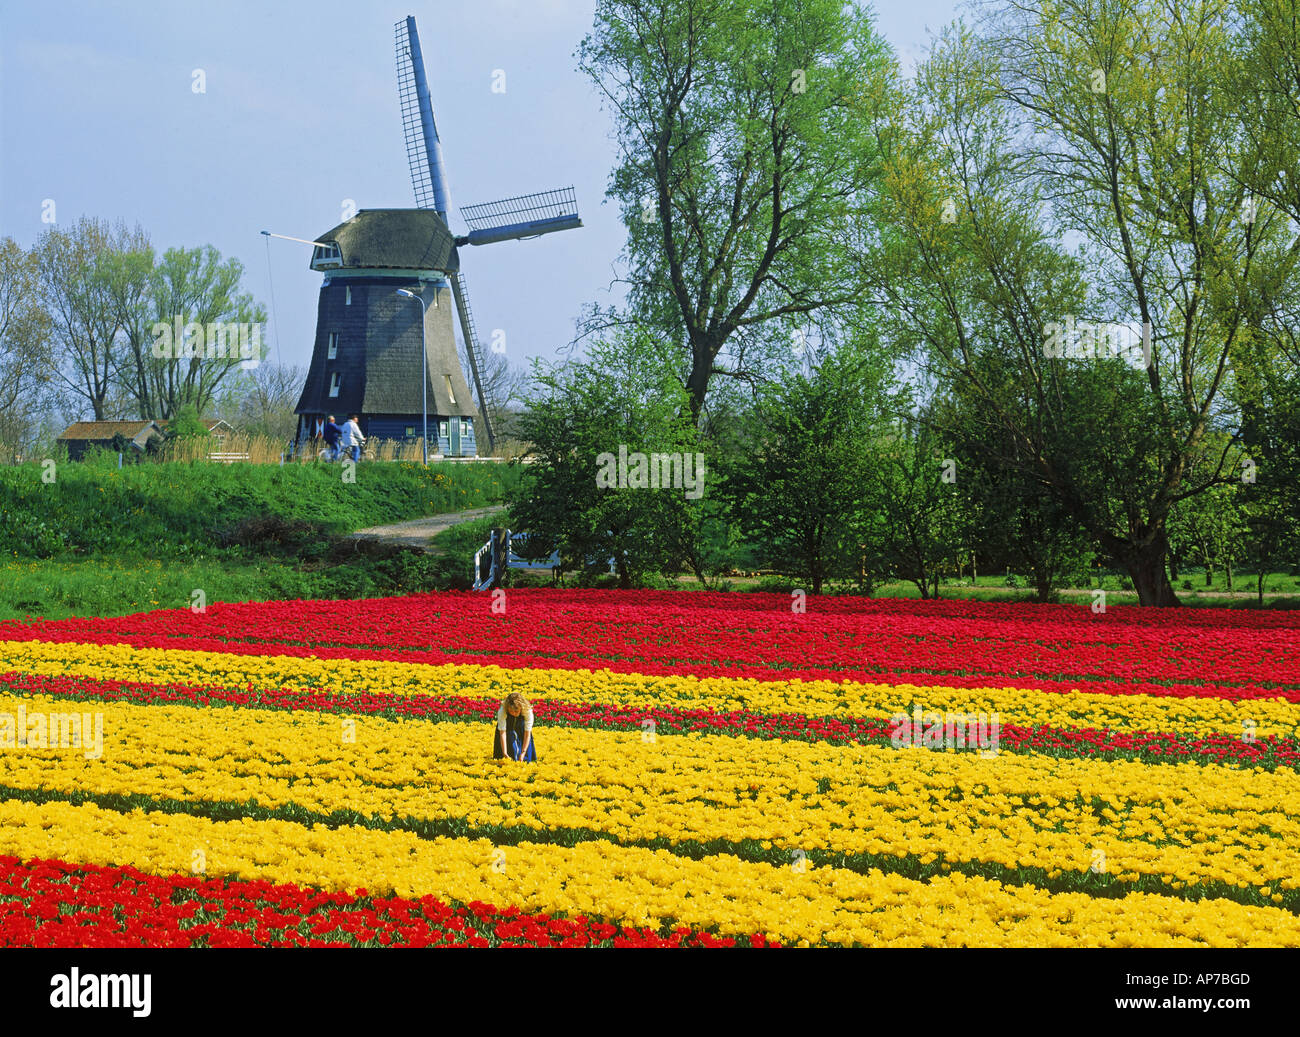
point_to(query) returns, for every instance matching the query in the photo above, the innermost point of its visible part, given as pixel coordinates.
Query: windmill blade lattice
(526, 216)
(470, 334)
(423, 149)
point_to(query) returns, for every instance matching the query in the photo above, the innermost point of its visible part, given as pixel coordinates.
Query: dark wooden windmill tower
(368, 349)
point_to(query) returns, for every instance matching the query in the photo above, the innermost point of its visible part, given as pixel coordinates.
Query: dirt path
(418, 532)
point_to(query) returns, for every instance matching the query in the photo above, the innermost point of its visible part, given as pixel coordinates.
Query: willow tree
(1117, 128)
(746, 130)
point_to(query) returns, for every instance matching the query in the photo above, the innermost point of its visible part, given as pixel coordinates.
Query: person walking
(353, 440)
(332, 435)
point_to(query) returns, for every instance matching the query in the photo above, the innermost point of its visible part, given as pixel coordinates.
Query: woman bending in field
(513, 738)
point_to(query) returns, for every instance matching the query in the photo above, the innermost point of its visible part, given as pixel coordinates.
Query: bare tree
(262, 401)
(502, 384)
(25, 362)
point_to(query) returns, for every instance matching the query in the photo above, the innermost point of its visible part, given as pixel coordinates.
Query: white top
(501, 718)
(352, 434)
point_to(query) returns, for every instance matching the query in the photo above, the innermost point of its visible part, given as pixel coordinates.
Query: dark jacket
(332, 433)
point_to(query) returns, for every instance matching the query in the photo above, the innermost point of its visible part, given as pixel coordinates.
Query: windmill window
(334, 345)
(347, 298)
(442, 430)
(325, 256)
(334, 384)
(410, 430)
(464, 427)
(450, 394)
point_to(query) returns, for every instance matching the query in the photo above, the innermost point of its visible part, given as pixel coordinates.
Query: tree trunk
(1209, 574)
(1173, 566)
(1145, 565)
(1261, 586)
(1227, 568)
(974, 576)
(1043, 583)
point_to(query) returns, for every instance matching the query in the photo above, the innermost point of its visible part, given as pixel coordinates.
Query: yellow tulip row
(1019, 706)
(1182, 823)
(633, 886)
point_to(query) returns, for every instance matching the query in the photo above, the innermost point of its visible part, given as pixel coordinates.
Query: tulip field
(714, 769)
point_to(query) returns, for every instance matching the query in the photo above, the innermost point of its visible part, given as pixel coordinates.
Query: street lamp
(424, 372)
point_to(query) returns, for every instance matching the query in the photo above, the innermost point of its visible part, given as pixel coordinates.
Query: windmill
(368, 341)
(527, 216)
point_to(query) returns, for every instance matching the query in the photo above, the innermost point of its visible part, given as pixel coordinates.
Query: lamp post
(424, 372)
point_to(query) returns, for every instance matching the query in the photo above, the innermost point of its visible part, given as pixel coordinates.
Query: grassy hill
(102, 541)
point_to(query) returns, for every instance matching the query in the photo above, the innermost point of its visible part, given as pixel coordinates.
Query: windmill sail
(510, 219)
(423, 148)
(429, 178)
(470, 334)
(527, 216)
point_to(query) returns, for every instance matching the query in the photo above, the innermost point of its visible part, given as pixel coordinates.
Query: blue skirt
(514, 740)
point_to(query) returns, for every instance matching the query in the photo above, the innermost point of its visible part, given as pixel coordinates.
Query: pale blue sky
(300, 115)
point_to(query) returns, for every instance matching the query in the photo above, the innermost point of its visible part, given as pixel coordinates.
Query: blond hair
(515, 699)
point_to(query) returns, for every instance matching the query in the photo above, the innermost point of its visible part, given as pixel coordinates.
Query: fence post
(119, 459)
(500, 554)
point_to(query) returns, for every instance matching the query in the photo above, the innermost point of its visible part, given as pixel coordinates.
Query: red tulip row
(1217, 748)
(48, 903)
(1050, 647)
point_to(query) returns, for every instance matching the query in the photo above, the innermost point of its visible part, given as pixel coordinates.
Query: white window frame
(332, 349)
(451, 393)
(347, 298)
(335, 383)
(326, 255)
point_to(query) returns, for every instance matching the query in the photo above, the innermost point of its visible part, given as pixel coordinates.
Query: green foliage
(749, 143)
(581, 420)
(794, 476)
(187, 424)
(181, 510)
(919, 513)
(1148, 172)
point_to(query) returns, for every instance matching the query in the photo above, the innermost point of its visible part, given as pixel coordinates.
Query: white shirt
(352, 434)
(501, 719)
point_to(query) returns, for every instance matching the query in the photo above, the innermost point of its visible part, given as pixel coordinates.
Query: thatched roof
(400, 239)
(105, 430)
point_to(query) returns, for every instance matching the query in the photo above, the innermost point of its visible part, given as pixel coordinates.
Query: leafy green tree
(796, 493)
(1215, 522)
(84, 323)
(195, 286)
(748, 131)
(919, 508)
(582, 419)
(1116, 124)
(1018, 521)
(187, 424)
